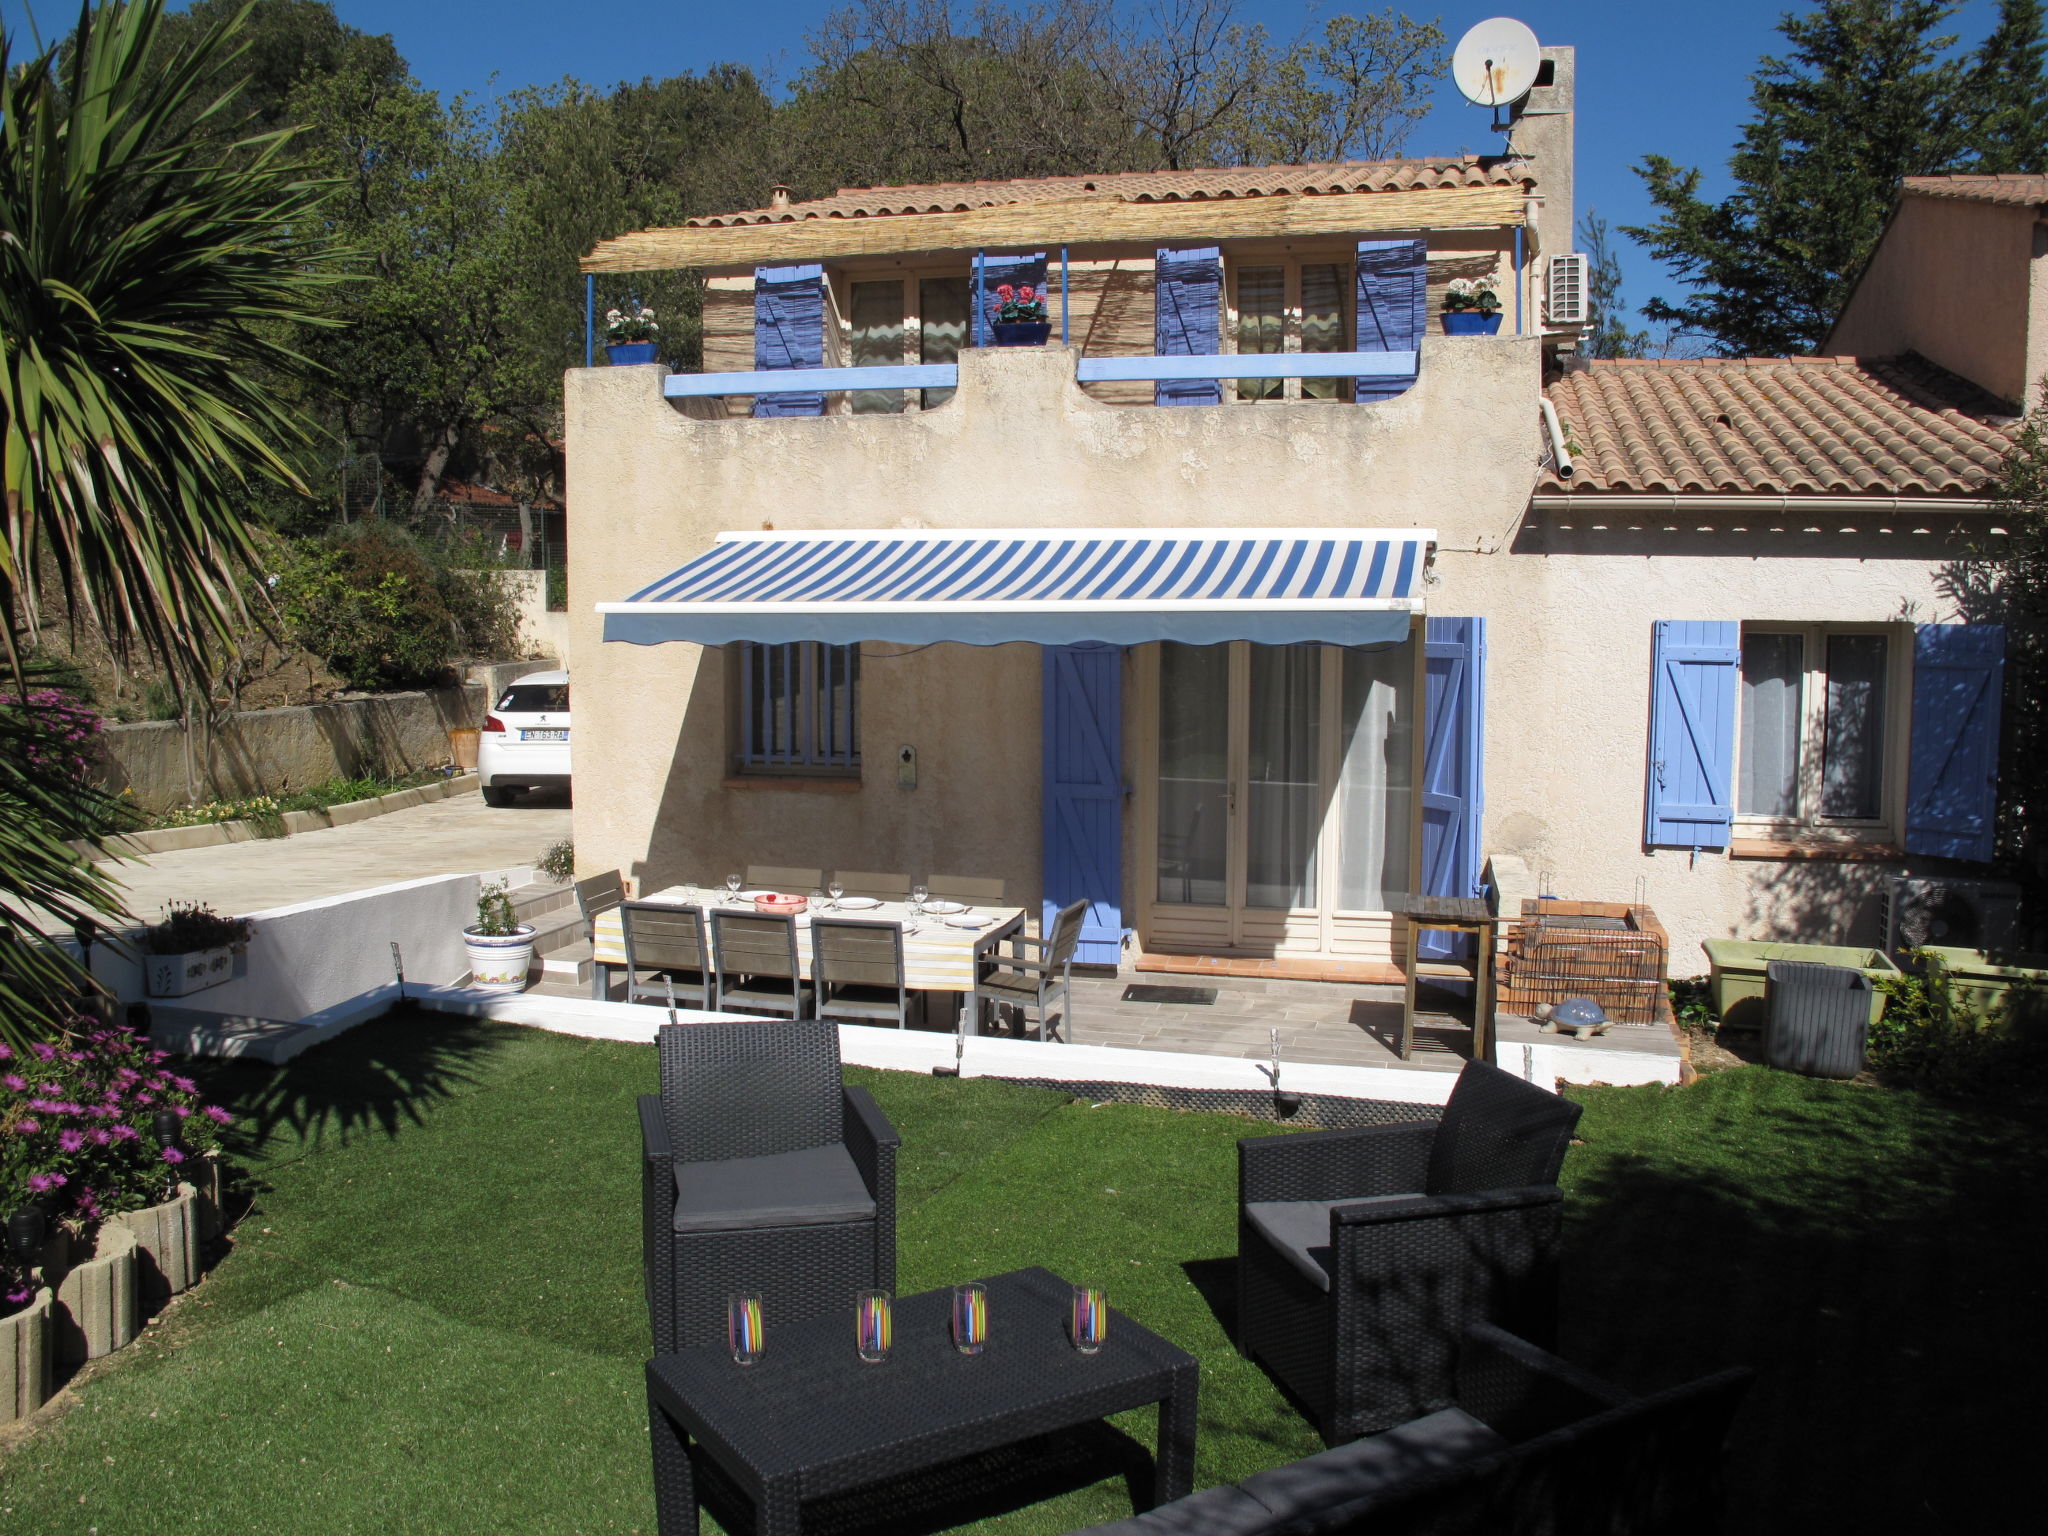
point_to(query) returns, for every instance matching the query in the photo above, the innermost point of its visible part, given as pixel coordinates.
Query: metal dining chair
(1025, 984)
(754, 964)
(598, 895)
(778, 877)
(667, 942)
(857, 970)
(972, 889)
(861, 882)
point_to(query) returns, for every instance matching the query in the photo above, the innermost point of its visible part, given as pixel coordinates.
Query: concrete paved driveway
(454, 836)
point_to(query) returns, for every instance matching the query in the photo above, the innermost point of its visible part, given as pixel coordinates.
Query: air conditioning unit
(1953, 914)
(1568, 302)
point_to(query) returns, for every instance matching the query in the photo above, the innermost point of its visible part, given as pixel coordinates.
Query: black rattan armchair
(761, 1171)
(1363, 1256)
(1530, 1445)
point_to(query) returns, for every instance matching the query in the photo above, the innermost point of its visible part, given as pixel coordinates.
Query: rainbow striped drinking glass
(743, 1327)
(970, 1318)
(1089, 1325)
(873, 1326)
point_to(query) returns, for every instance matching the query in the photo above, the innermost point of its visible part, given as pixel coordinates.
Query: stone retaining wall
(260, 752)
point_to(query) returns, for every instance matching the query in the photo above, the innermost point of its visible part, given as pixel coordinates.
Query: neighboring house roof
(2021, 191)
(1806, 426)
(1144, 187)
(470, 494)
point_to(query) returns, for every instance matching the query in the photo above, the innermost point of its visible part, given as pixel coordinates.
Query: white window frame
(1291, 318)
(1808, 824)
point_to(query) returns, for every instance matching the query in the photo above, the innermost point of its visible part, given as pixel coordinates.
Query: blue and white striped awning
(1117, 586)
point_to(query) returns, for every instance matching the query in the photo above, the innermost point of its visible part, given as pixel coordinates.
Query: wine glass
(835, 890)
(919, 895)
(689, 893)
(732, 887)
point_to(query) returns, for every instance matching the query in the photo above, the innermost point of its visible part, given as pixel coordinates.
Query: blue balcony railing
(1089, 370)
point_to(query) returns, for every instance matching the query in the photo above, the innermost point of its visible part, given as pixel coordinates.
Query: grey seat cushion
(1300, 1229)
(811, 1188)
(1224, 1511)
(1378, 1466)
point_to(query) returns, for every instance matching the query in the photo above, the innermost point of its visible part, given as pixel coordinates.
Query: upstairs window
(904, 319)
(1292, 306)
(799, 708)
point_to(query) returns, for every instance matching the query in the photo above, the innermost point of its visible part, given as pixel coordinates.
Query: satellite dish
(1496, 62)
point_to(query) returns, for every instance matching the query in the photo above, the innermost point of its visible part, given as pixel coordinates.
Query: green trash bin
(1736, 974)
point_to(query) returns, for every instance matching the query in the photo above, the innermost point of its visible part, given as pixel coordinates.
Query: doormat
(1139, 992)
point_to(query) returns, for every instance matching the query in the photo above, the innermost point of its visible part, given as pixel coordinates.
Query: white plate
(945, 908)
(860, 903)
(969, 921)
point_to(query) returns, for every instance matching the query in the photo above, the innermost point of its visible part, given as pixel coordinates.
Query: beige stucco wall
(1964, 284)
(1570, 608)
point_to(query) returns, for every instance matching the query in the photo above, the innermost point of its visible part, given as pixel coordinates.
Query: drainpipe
(590, 319)
(1518, 279)
(1063, 296)
(1557, 448)
(980, 278)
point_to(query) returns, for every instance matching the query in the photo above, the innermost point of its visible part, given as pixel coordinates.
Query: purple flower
(6, 1050)
(102, 1137)
(145, 1098)
(184, 1112)
(183, 1084)
(28, 1127)
(43, 1183)
(47, 1106)
(43, 1052)
(173, 1155)
(15, 1081)
(70, 1141)
(127, 1133)
(217, 1115)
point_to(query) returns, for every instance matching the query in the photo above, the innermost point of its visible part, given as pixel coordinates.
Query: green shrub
(1692, 1002)
(385, 610)
(557, 862)
(1926, 1039)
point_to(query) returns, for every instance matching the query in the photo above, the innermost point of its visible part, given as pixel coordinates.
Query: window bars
(800, 706)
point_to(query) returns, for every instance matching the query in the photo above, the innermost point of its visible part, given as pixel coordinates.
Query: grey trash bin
(1818, 1018)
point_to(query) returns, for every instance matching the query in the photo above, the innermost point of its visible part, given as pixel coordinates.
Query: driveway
(455, 836)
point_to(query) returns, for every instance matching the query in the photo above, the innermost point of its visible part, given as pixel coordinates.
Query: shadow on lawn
(1876, 1261)
(388, 1073)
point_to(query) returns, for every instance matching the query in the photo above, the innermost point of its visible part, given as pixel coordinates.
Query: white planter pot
(499, 963)
(178, 975)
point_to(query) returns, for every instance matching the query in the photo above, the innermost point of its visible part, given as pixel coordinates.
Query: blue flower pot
(621, 352)
(1021, 333)
(1471, 322)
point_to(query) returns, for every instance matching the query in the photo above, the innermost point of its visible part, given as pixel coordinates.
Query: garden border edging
(214, 834)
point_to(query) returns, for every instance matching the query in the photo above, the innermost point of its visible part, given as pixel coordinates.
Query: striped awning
(1116, 586)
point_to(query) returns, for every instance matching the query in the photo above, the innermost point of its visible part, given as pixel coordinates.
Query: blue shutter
(1187, 289)
(1393, 292)
(1692, 733)
(1952, 791)
(1084, 793)
(789, 332)
(1014, 270)
(1453, 763)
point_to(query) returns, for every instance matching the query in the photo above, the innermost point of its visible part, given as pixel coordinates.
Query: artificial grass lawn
(431, 1321)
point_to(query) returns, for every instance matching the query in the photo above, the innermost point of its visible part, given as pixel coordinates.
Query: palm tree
(154, 267)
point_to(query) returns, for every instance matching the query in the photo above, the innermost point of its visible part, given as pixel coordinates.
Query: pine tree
(2009, 93)
(1864, 98)
(1608, 335)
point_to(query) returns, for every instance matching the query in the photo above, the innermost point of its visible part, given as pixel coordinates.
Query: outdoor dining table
(938, 957)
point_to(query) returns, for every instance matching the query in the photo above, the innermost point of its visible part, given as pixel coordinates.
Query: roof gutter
(1609, 501)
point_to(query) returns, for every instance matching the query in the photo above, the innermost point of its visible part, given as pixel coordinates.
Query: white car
(525, 742)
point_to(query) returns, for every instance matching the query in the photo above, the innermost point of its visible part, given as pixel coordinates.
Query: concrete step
(556, 930)
(531, 901)
(571, 963)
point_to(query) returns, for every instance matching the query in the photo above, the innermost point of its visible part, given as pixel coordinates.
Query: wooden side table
(1451, 914)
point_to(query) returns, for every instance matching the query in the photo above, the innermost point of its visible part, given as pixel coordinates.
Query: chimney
(1543, 133)
(778, 197)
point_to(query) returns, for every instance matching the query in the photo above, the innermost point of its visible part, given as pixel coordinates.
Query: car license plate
(561, 735)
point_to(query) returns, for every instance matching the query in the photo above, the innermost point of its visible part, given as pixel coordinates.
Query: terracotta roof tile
(1145, 187)
(1806, 426)
(2025, 191)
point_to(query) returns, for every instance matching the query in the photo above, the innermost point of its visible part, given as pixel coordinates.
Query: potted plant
(630, 333)
(1018, 316)
(193, 948)
(500, 946)
(1471, 308)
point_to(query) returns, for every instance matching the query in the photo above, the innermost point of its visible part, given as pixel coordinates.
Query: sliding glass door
(1284, 795)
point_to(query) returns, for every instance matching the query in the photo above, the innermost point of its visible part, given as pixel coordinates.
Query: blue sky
(1653, 77)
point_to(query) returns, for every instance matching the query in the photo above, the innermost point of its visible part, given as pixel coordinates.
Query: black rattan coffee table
(809, 1418)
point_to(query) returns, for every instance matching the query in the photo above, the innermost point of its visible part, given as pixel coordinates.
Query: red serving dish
(781, 904)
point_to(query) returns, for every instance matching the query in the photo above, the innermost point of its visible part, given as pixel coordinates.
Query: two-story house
(1249, 600)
